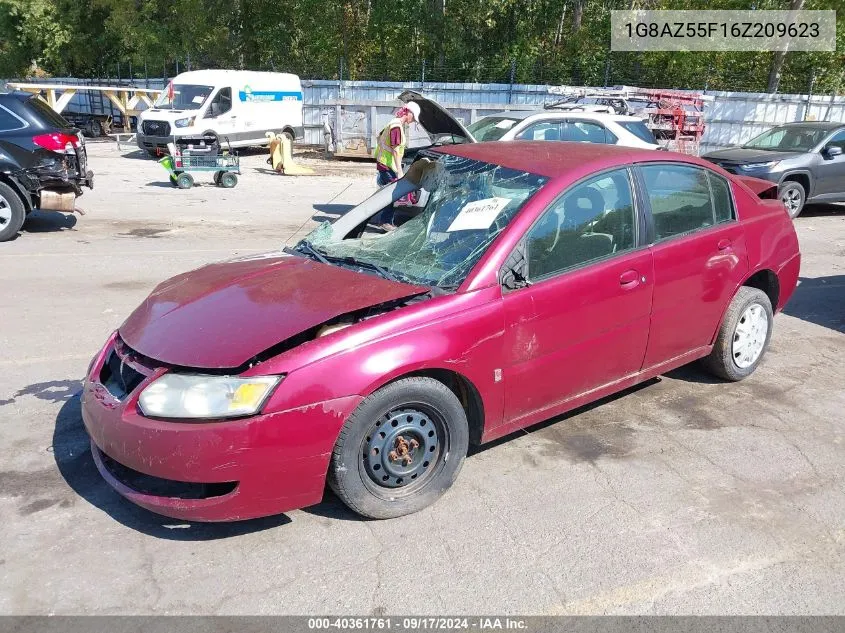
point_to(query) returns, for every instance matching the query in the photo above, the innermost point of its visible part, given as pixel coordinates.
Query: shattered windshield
(469, 204)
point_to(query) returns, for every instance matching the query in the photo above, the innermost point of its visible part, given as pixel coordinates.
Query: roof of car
(520, 115)
(815, 125)
(21, 95)
(551, 159)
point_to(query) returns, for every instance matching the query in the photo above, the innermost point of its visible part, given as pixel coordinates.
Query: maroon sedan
(534, 278)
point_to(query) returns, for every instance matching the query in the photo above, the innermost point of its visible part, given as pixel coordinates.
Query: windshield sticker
(478, 215)
(198, 99)
(505, 124)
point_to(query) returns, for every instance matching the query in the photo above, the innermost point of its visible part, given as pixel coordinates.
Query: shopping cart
(187, 157)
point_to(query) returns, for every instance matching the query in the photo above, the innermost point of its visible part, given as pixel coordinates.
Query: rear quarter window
(9, 121)
(639, 129)
(722, 201)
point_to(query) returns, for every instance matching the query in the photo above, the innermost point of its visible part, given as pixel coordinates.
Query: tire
(384, 474)
(184, 181)
(228, 179)
(217, 175)
(12, 212)
(746, 312)
(793, 196)
(289, 134)
(94, 128)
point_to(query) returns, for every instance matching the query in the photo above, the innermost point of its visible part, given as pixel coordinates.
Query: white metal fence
(359, 109)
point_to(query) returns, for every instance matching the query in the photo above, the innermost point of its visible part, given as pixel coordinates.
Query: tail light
(57, 142)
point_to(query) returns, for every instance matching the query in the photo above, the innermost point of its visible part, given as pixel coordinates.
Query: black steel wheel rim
(403, 450)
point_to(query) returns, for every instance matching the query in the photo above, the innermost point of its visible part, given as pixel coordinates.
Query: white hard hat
(414, 109)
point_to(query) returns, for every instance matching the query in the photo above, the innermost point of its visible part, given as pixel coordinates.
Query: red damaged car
(537, 277)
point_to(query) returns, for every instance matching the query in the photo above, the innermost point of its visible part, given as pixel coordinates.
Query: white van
(238, 106)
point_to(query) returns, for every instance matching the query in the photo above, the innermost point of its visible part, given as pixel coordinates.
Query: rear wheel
(743, 337)
(12, 212)
(184, 181)
(792, 195)
(94, 128)
(217, 175)
(401, 449)
(228, 179)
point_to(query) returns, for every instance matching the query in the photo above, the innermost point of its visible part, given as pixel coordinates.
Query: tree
(780, 56)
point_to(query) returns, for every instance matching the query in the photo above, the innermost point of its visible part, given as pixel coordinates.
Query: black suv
(43, 163)
(806, 160)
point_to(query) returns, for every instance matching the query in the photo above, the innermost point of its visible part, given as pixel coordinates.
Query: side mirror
(832, 150)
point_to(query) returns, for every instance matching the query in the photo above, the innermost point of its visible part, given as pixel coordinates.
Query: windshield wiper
(357, 262)
(306, 248)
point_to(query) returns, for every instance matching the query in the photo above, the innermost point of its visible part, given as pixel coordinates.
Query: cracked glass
(469, 204)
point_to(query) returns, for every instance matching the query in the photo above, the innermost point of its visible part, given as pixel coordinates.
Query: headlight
(205, 397)
(187, 122)
(759, 165)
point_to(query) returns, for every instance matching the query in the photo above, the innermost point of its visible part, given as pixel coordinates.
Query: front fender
(468, 343)
(799, 172)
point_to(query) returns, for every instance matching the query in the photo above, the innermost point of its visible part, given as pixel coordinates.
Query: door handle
(724, 245)
(630, 279)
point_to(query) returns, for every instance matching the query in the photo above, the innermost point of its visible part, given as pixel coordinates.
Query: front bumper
(211, 471)
(152, 143)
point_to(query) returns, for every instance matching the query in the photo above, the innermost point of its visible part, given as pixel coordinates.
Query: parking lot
(683, 496)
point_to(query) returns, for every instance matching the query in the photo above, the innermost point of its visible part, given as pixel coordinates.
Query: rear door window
(680, 199)
(587, 132)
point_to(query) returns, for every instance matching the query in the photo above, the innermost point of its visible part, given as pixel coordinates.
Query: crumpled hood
(222, 315)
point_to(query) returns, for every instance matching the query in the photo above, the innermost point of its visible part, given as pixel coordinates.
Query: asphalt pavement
(685, 495)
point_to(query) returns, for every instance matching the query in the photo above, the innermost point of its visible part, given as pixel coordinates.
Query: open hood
(435, 118)
(222, 315)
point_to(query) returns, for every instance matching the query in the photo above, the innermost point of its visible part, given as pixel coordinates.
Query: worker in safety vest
(389, 152)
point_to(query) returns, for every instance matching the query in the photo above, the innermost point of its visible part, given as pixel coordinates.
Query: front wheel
(401, 449)
(743, 337)
(793, 196)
